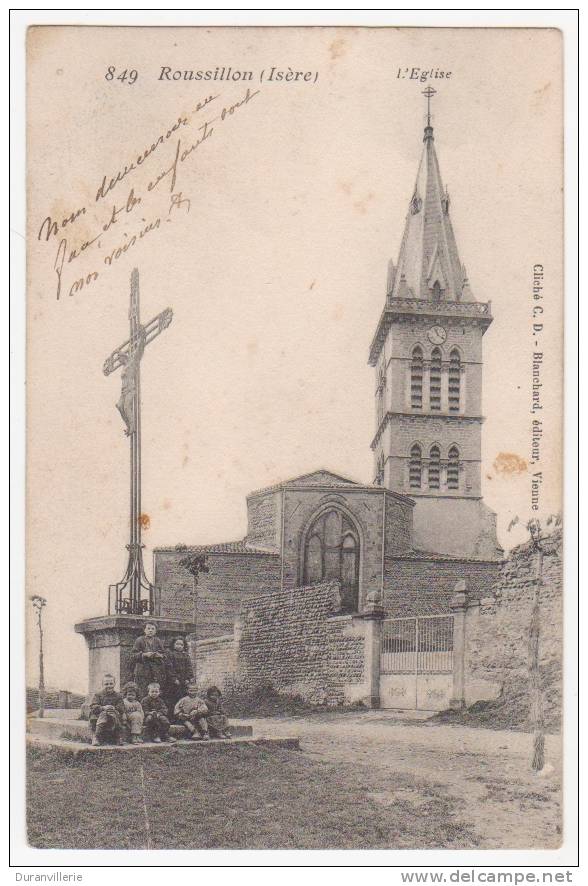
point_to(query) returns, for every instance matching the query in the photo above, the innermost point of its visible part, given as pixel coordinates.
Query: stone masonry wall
(425, 586)
(497, 630)
(214, 661)
(232, 578)
(292, 640)
(264, 519)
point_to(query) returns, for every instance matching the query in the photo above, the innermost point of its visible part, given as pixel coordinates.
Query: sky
(274, 259)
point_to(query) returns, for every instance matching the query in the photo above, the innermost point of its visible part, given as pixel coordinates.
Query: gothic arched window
(434, 467)
(331, 553)
(416, 379)
(435, 380)
(453, 468)
(437, 291)
(454, 381)
(415, 468)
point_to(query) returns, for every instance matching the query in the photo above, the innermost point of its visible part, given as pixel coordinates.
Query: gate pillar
(458, 605)
(372, 616)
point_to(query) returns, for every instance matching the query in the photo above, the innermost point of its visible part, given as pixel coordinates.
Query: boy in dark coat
(218, 724)
(178, 672)
(155, 710)
(147, 656)
(107, 714)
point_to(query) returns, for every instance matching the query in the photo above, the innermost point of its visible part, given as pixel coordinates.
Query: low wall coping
(341, 616)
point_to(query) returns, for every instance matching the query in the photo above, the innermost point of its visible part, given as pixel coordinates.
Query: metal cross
(128, 591)
(429, 92)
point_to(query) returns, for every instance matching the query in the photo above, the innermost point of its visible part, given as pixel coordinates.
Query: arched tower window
(437, 291)
(415, 469)
(434, 467)
(416, 379)
(331, 553)
(453, 468)
(435, 380)
(454, 380)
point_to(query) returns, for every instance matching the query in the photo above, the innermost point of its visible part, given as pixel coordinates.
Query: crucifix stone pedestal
(131, 601)
(110, 639)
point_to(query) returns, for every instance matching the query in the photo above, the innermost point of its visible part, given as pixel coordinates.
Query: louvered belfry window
(416, 379)
(435, 382)
(415, 467)
(434, 467)
(454, 381)
(453, 468)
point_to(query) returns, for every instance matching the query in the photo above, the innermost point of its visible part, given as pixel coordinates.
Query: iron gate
(416, 662)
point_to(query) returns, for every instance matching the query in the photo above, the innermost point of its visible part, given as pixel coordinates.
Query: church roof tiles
(226, 547)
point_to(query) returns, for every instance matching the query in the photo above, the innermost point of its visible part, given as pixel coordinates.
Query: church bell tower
(427, 355)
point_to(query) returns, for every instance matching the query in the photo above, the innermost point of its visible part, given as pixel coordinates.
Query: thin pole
(416, 664)
(41, 670)
(537, 708)
(135, 330)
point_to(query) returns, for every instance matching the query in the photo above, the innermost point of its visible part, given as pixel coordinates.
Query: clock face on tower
(436, 335)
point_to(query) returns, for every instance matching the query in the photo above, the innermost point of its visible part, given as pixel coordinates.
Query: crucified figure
(130, 374)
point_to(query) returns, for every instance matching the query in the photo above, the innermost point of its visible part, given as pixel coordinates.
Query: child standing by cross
(147, 656)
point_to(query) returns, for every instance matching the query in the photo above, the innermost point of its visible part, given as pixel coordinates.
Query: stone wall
(264, 519)
(233, 576)
(215, 661)
(54, 698)
(497, 629)
(424, 586)
(292, 640)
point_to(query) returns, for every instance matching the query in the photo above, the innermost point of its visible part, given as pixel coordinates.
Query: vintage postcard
(294, 438)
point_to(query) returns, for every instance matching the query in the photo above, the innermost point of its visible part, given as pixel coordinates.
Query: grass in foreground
(232, 797)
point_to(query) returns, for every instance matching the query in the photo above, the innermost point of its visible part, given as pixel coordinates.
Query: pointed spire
(429, 264)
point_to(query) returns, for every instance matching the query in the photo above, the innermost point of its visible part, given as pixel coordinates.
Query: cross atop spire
(429, 92)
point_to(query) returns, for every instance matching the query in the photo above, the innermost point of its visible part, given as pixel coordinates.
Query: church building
(420, 526)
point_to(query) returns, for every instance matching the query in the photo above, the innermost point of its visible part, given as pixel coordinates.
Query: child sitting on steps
(155, 710)
(218, 724)
(191, 710)
(107, 714)
(134, 712)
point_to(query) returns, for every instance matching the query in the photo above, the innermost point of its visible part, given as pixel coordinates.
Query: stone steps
(83, 749)
(57, 728)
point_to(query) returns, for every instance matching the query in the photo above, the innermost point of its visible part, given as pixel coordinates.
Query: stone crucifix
(128, 592)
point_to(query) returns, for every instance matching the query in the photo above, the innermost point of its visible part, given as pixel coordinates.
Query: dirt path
(486, 771)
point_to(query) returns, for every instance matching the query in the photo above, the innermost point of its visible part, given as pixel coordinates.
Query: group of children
(117, 718)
